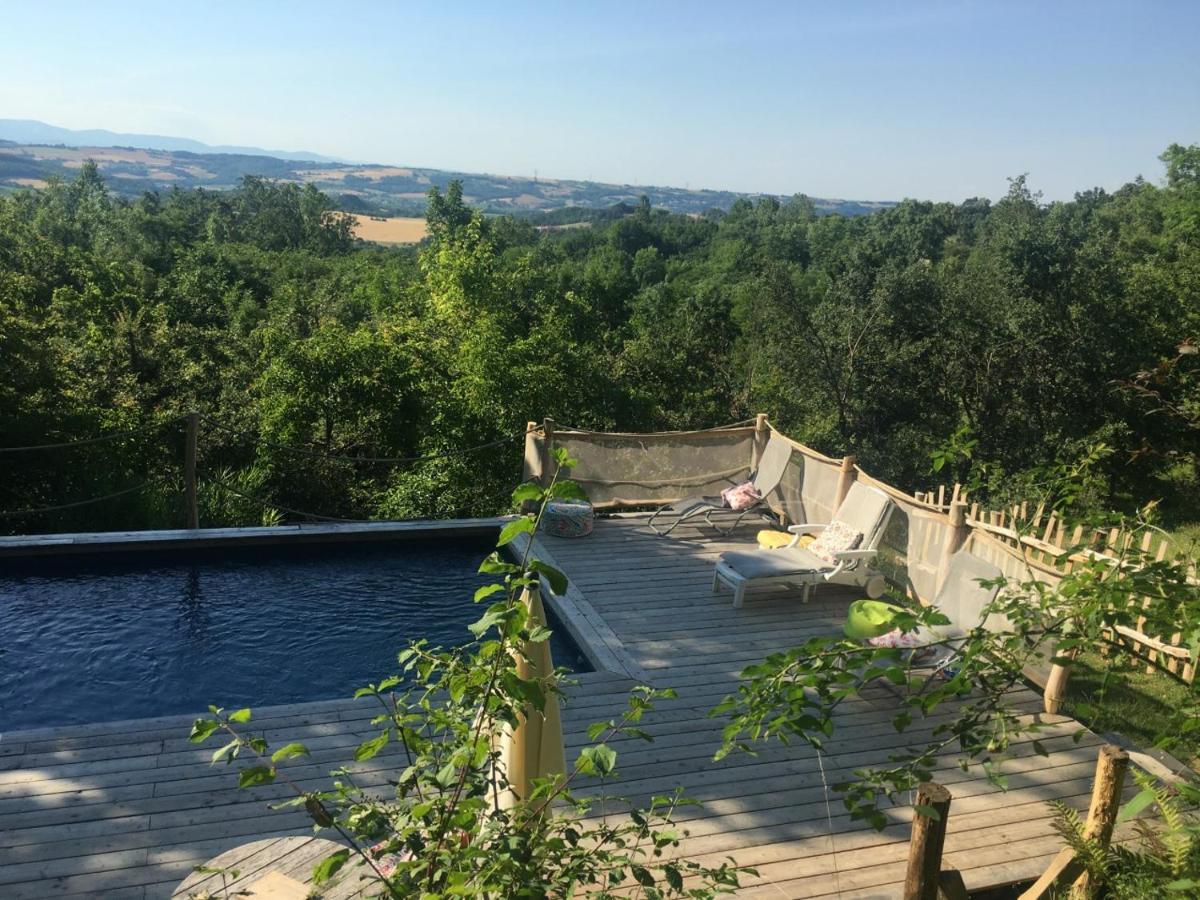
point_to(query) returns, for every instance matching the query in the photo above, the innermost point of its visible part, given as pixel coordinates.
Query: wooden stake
(1056, 688)
(532, 467)
(759, 444)
(846, 477)
(956, 538)
(191, 506)
(1102, 814)
(925, 846)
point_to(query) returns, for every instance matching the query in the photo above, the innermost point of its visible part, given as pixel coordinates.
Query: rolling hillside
(28, 159)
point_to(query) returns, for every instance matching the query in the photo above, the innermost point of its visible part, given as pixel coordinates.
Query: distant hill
(32, 152)
(31, 131)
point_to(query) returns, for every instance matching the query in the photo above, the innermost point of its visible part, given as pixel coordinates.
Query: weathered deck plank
(126, 809)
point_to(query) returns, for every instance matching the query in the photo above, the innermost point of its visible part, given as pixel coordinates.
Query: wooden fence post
(925, 845)
(1111, 765)
(760, 440)
(533, 464)
(1056, 688)
(956, 538)
(846, 477)
(191, 505)
(1066, 868)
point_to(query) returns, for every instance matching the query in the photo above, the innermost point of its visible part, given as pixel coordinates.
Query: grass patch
(1185, 539)
(1124, 698)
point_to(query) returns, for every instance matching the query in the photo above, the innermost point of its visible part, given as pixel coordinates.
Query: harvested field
(395, 230)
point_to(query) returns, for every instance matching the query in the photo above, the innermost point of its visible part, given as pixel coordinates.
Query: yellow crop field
(396, 230)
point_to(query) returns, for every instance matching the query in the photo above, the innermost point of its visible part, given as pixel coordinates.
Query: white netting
(649, 469)
(808, 490)
(913, 548)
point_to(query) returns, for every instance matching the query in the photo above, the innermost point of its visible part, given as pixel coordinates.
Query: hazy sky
(857, 100)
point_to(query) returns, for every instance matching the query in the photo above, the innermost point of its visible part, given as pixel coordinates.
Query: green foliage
(1166, 859)
(998, 339)
(440, 722)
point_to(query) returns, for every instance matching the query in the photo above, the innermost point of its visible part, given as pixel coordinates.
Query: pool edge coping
(101, 542)
(587, 627)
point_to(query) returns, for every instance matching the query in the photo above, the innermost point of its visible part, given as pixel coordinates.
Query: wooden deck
(126, 809)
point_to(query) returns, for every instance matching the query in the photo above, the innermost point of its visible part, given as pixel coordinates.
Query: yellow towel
(773, 540)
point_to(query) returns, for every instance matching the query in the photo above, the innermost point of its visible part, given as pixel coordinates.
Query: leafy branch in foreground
(427, 808)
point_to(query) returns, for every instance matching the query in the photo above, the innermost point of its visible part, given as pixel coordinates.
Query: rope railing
(38, 510)
(97, 439)
(573, 428)
(190, 476)
(269, 504)
(395, 460)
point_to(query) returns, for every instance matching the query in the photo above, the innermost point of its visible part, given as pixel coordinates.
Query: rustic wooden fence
(1049, 540)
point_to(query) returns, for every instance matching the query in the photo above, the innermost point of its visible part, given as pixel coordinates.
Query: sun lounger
(775, 457)
(841, 553)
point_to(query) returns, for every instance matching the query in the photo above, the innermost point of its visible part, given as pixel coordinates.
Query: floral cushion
(898, 638)
(742, 496)
(835, 538)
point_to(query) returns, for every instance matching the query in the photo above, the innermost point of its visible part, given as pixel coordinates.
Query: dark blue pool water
(93, 641)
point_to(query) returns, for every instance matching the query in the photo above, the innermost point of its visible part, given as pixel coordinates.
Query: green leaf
(218, 755)
(256, 775)
(494, 565)
(597, 760)
(526, 492)
(563, 458)
(202, 730)
(329, 866)
(928, 811)
(674, 878)
(371, 748)
(241, 716)
(487, 590)
(1182, 884)
(1140, 801)
(288, 751)
(567, 490)
(496, 614)
(557, 580)
(642, 876)
(522, 525)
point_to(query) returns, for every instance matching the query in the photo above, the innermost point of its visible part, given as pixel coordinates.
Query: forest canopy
(1007, 337)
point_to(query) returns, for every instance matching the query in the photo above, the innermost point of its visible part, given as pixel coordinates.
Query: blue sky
(860, 100)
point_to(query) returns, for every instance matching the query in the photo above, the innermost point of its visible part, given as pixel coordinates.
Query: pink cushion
(835, 538)
(742, 496)
(898, 638)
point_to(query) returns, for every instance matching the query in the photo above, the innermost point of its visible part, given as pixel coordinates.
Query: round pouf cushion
(568, 518)
(869, 618)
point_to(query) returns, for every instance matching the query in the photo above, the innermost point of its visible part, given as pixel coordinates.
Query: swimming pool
(135, 635)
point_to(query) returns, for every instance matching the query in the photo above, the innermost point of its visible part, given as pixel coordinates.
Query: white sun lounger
(865, 510)
(775, 457)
